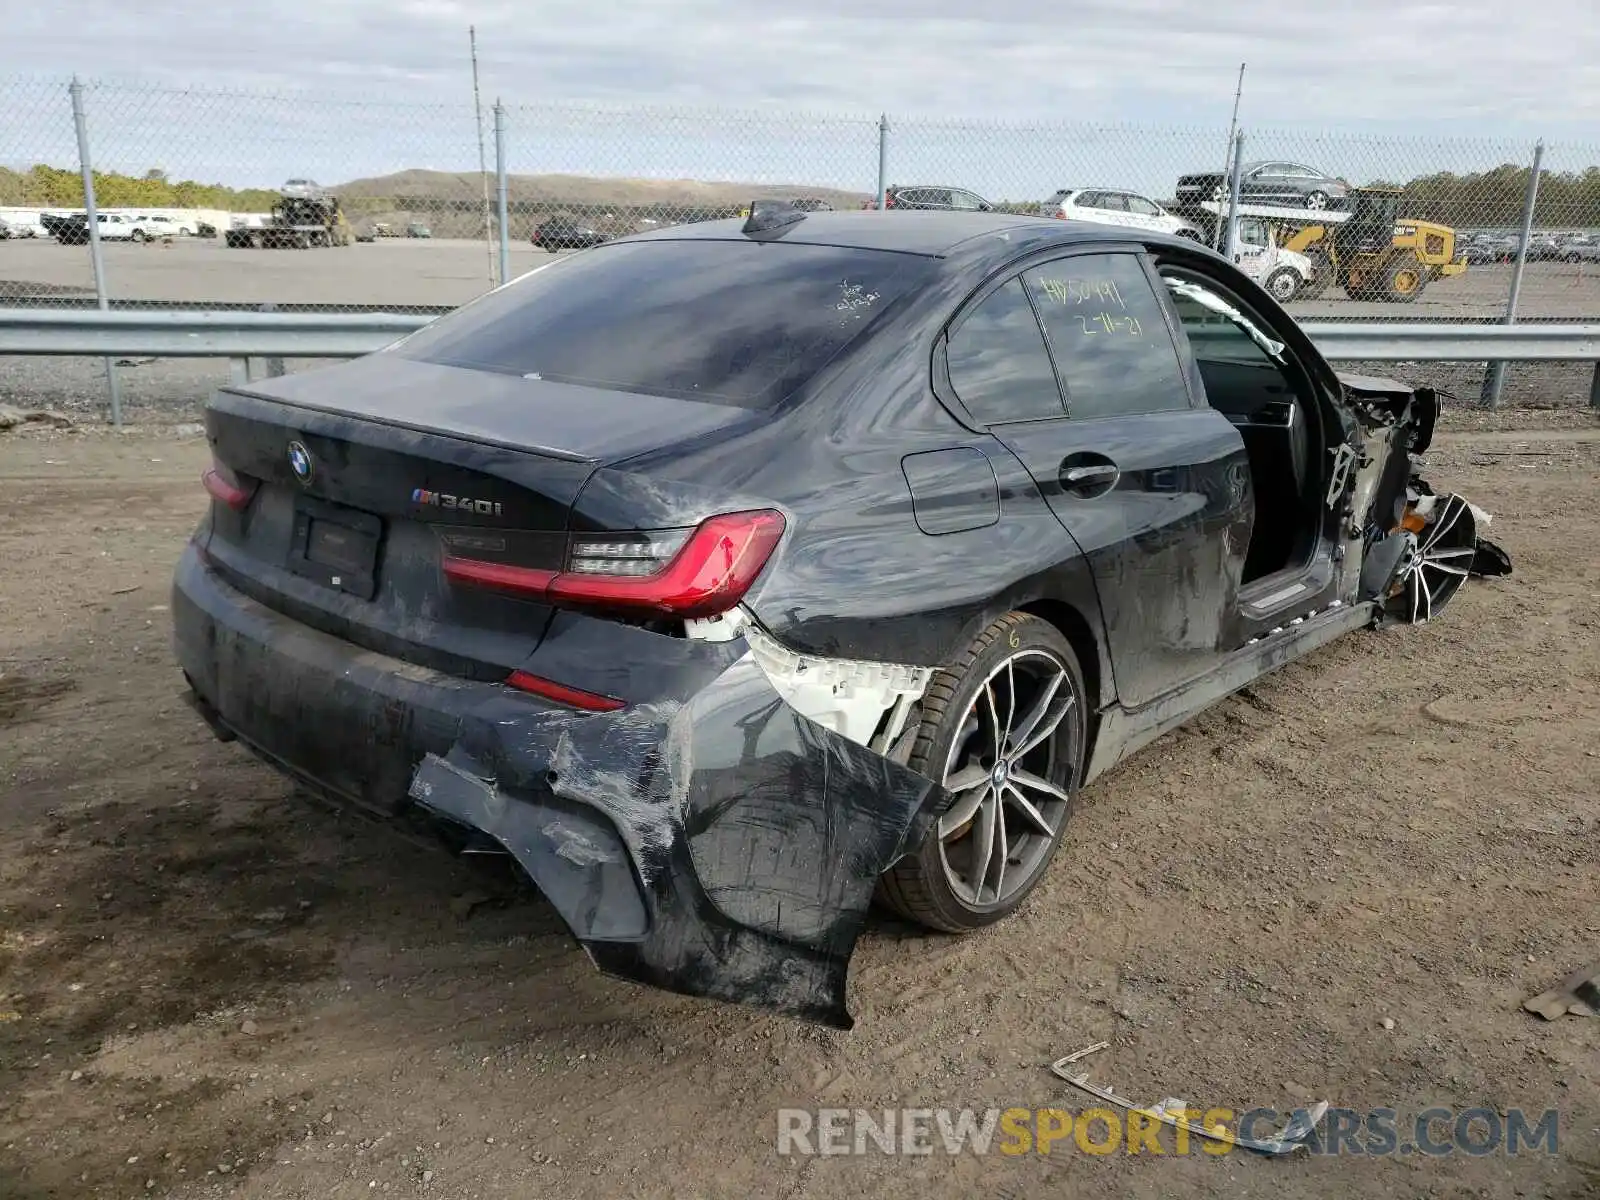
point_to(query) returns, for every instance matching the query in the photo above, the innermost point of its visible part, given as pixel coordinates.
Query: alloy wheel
(1435, 570)
(1007, 809)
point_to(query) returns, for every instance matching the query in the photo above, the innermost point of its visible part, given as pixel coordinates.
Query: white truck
(1282, 272)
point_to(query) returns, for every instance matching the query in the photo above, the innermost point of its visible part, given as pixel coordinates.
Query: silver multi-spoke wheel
(1436, 567)
(1006, 812)
(1004, 733)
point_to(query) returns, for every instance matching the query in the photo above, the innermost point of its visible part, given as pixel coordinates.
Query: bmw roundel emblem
(300, 461)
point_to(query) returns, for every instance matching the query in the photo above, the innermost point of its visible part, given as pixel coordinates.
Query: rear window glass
(734, 322)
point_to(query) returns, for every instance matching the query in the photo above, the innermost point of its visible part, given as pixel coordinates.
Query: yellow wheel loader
(1376, 254)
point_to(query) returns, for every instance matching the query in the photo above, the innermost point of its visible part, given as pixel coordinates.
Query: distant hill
(452, 202)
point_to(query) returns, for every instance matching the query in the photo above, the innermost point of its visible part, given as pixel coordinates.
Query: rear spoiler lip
(455, 434)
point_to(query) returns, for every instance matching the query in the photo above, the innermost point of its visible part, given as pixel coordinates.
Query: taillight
(1059, 214)
(225, 486)
(680, 573)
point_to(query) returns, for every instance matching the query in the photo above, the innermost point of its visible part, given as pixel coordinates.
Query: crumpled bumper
(721, 845)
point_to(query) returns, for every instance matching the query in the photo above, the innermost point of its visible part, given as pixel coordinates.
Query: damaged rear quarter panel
(757, 835)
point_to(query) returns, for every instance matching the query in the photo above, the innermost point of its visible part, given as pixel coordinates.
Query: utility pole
(1233, 127)
(483, 158)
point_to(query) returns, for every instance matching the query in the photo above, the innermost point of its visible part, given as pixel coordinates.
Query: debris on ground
(11, 417)
(1577, 995)
(1290, 1138)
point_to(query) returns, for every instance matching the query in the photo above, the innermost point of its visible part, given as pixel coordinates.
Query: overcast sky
(1490, 74)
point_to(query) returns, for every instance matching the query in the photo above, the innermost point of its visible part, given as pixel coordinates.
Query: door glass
(999, 366)
(1113, 201)
(1138, 204)
(965, 201)
(1252, 233)
(1109, 336)
(1217, 330)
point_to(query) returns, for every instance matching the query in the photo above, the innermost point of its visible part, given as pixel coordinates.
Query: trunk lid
(356, 481)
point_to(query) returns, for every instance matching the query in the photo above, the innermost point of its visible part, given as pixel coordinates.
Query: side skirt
(1124, 731)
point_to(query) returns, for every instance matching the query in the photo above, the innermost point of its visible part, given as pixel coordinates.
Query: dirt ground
(1340, 884)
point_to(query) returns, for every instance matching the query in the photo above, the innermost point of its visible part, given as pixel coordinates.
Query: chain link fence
(397, 204)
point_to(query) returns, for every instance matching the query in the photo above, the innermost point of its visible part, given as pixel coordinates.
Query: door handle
(1090, 479)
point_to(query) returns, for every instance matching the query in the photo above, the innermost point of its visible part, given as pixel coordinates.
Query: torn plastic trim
(1295, 1135)
(866, 701)
(727, 847)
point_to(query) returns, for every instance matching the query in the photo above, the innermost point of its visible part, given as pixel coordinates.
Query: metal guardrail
(243, 336)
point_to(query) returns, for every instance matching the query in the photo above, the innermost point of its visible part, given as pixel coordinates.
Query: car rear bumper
(715, 844)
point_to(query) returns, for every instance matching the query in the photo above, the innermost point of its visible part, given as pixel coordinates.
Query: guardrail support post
(1232, 229)
(1594, 388)
(1494, 378)
(883, 161)
(91, 211)
(500, 189)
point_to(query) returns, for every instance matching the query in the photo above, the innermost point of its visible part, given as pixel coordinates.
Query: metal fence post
(883, 161)
(1232, 230)
(1494, 378)
(92, 213)
(1594, 388)
(500, 188)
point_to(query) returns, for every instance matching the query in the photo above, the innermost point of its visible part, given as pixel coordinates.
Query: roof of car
(931, 232)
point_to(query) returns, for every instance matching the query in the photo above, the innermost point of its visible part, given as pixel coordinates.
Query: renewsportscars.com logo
(1381, 1132)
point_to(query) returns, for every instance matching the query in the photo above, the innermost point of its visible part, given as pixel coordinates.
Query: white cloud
(1364, 60)
(1490, 76)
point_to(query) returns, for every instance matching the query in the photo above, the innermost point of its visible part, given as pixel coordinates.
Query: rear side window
(1109, 335)
(998, 362)
(732, 322)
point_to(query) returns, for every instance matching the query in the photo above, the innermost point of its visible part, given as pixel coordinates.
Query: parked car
(149, 227)
(1112, 206)
(565, 233)
(932, 196)
(1275, 182)
(771, 565)
(302, 189)
(416, 229)
(1581, 249)
(114, 227)
(14, 232)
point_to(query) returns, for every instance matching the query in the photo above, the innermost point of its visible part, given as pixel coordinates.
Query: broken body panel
(712, 805)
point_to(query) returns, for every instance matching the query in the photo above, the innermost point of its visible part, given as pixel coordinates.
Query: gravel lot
(402, 272)
(1338, 885)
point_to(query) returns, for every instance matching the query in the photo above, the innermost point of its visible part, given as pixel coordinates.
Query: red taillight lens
(227, 487)
(572, 697)
(677, 573)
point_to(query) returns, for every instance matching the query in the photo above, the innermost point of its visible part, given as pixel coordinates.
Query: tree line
(59, 187)
(1483, 198)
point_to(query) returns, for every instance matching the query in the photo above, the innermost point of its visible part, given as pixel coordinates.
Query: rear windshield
(734, 322)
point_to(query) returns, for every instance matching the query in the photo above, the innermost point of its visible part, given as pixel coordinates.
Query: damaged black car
(735, 576)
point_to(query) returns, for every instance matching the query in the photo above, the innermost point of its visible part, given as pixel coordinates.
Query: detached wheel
(1003, 729)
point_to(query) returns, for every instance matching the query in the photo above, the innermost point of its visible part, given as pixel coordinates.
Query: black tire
(1403, 281)
(918, 887)
(1317, 200)
(1283, 285)
(139, 235)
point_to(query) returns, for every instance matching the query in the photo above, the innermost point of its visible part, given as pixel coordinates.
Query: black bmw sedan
(732, 576)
